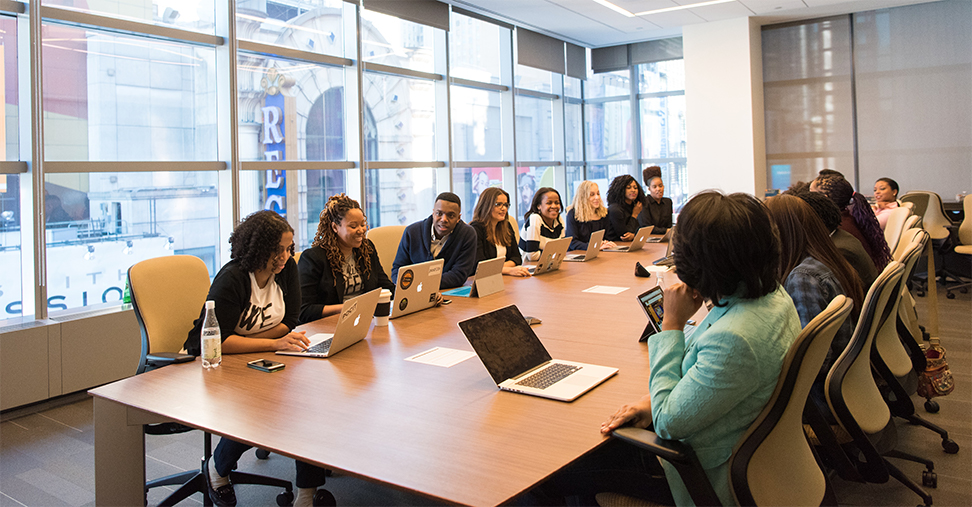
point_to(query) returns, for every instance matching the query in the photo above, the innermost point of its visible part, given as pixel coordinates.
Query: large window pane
(661, 76)
(11, 292)
(528, 180)
(574, 131)
(572, 87)
(105, 222)
(663, 127)
(477, 125)
(608, 84)
(537, 80)
(534, 129)
(399, 118)
(474, 52)
(399, 196)
(391, 41)
(10, 90)
(469, 183)
(308, 25)
(116, 98)
(575, 175)
(603, 174)
(675, 177)
(195, 15)
(608, 130)
(270, 89)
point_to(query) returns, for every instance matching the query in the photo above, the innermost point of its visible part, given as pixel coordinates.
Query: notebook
(593, 248)
(551, 257)
(416, 287)
(489, 280)
(353, 326)
(519, 363)
(643, 235)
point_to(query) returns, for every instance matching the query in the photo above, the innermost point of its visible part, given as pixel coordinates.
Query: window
(608, 130)
(477, 125)
(11, 292)
(398, 43)
(534, 129)
(195, 15)
(661, 104)
(474, 51)
(316, 26)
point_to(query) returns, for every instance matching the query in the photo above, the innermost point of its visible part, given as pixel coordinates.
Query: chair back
(887, 344)
(516, 228)
(912, 221)
(895, 226)
(168, 294)
(851, 392)
(386, 240)
(904, 243)
(965, 229)
(934, 220)
(776, 441)
(918, 201)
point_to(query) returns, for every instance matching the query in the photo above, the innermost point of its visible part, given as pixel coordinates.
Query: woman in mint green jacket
(707, 388)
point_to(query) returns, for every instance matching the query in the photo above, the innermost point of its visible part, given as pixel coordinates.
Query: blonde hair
(583, 211)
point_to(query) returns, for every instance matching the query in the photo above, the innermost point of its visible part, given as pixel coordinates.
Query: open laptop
(416, 287)
(518, 362)
(641, 237)
(593, 248)
(489, 280)
(661, 239)
(553, 254)
(353, 326)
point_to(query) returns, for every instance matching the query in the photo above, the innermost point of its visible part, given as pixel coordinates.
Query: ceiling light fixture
(680, 7)
(619, 10)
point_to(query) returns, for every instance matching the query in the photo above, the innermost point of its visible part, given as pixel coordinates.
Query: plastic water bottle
(210, 342)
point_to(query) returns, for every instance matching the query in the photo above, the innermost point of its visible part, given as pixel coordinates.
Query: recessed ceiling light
(680, 7)
(615, 8)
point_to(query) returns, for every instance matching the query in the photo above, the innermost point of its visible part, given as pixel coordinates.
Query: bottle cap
(210, 305)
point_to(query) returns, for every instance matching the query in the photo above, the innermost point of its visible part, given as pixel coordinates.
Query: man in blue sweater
(441, 236)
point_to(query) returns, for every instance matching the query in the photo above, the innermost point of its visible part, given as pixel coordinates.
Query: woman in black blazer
(341, 262)
(495, 236)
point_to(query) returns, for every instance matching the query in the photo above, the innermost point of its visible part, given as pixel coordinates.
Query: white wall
(724, 106)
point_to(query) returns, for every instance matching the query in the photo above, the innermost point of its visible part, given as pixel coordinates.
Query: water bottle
(211, 344)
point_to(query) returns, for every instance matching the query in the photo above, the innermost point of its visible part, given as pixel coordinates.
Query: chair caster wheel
(929, 479)
(950, 295)
(950, 446)
(262, 454)
(285, 498)
(324, 498)
(920, 293)
(931, 407)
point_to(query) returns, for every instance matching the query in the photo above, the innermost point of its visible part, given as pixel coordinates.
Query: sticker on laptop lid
(403, 304)
(349, 312)
(405, 279)
(435, 269)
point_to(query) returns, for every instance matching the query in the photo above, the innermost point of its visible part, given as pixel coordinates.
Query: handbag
(936, 379)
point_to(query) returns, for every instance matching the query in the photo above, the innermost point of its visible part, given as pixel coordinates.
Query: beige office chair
(516, 228)
(856, 401)
(895, 226)
(168, 295)
(964, 248)
(912, 221)
(918, 202)
(386, 240)
(774, 442)
(934, 220)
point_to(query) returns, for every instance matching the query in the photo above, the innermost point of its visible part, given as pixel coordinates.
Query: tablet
(651, 302)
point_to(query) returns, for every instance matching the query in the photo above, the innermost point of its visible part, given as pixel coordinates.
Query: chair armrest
(165, 358)
(680, 455)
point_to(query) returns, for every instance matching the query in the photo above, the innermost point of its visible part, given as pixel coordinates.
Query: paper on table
(605, 289)
(441, 356)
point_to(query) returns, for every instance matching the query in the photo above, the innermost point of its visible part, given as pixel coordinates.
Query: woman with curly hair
(586, 216)
(625, 199)
(495, 233)
(257, 296)
(341, 262)
(856, 217)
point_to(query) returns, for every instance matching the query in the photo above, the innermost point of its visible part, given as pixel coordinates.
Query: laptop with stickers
(416, 287)
(353, 325)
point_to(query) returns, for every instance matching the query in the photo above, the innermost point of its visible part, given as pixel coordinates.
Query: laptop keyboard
(321, 348)
(548, 376)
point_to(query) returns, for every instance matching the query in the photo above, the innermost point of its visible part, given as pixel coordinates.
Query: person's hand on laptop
(681, 302)
(293, 341)
(608, 244)
(516, 271)
(637, 414)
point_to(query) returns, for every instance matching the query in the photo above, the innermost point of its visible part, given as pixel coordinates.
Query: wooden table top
(447, 433)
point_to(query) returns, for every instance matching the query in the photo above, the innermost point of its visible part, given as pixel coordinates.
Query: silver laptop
(668, 259)
(518, 362)
(553, 254)
(661, 239)
(489, 280)
(641, 237)
(593, 248)
(416, 287)
(353, 326)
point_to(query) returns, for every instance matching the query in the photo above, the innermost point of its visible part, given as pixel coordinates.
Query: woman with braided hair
(856, 217)
(341, 262)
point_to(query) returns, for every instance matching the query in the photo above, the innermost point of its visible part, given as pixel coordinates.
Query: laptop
(660, 239)
(353, 326)
(641, 237)
(593, 248)
(519, 363)
(668, 260)
(489, 280)
(553, 254)
(416, 287)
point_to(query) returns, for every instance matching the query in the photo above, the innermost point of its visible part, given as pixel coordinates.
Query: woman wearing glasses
(257, 296)
(341, 262)
(494, 232)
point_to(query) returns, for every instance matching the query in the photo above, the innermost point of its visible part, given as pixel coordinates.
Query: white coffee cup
(384, 308)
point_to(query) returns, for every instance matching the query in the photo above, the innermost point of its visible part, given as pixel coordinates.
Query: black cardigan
(231, 291)
(319, 286)
(658, 214)
(620, 221)
(580, 232)
(485, 249)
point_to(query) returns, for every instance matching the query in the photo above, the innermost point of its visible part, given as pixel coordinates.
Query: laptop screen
(504, 342)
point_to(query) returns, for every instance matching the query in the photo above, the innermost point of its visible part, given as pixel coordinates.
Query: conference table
(444, 432)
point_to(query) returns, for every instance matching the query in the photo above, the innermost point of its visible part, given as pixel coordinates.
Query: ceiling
(591, 24)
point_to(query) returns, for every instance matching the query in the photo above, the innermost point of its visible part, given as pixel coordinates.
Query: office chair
(165, 322)
(934, 220)
(912, 221)
(964, 248)
(856, 402)
(775, 441)
(895, 226)
(386, 240)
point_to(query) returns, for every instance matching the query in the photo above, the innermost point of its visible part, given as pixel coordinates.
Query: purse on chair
(936, 380)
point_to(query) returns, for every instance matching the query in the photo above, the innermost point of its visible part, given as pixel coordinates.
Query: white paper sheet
(441, 356)
(605, 289)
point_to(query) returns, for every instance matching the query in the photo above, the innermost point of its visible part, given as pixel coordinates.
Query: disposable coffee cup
(384, 308)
